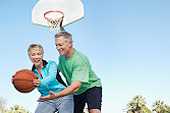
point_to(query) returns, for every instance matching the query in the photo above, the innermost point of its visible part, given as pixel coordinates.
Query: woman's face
(36, 56)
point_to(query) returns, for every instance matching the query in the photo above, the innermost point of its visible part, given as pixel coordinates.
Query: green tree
(13, 109)
(168, 109)
(17, 109)
(160, 107)
(3, 108)
(137, 105)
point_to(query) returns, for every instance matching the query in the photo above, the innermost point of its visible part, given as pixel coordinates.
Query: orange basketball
(23, 80)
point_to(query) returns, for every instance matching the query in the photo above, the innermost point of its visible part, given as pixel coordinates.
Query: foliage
(2, 105)
(160, 107)
(138, 105)
(17, 109)
(13, 109)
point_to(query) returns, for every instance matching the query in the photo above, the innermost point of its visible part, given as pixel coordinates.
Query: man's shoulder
(80, 55)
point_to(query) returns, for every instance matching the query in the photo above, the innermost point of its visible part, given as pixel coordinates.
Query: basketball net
(54, 20)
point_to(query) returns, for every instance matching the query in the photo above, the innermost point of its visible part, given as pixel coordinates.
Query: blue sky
(127, 42)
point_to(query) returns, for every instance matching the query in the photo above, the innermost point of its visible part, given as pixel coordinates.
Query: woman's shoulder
(51, 62)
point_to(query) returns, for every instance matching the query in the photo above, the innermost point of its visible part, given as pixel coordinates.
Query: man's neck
(70, 53)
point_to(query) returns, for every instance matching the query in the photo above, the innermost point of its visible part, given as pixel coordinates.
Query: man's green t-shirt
(78, 68)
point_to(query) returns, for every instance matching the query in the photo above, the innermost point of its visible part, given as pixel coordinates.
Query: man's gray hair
(65, 34)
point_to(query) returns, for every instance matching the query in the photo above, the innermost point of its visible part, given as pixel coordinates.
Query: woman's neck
(39, 67)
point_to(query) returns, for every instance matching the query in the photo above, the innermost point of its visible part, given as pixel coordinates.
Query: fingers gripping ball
(23, 80)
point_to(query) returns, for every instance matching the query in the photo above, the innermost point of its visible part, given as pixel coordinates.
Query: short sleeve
(80, 73)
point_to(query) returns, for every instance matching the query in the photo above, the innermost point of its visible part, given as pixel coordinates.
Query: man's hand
(36, 82)
(52, 95)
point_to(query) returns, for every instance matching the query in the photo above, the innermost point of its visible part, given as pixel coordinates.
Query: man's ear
(70, 45)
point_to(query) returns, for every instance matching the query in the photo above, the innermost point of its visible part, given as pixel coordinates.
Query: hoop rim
(50, 11)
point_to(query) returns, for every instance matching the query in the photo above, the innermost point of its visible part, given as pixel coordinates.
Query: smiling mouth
(60, 51)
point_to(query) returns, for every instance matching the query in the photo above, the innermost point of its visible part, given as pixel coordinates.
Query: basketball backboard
(73, 10)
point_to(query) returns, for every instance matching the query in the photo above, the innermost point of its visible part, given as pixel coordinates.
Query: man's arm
(68, 90)
(80, 74)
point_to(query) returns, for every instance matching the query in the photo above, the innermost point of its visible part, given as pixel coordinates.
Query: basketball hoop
(54, 20)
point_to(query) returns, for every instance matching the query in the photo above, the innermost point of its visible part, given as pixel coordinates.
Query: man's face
(63, 45)
(36, 56)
